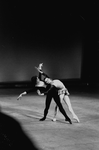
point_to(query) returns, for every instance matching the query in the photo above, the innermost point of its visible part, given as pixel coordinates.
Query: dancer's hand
(19, 97)
(39, 93)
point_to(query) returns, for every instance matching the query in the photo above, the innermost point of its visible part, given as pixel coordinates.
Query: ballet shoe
(42, 119)
(40, 66)
(68, 120)
(39, 70)
(54, 119)
(76, 118)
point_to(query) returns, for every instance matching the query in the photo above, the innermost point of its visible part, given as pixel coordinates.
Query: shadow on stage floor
(12, 135)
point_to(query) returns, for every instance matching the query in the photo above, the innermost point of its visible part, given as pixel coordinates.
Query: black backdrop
(61, 35)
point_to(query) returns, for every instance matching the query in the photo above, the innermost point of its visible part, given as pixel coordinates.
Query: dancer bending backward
(62, 93)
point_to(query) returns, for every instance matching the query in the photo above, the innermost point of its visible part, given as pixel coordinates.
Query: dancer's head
(34, 80)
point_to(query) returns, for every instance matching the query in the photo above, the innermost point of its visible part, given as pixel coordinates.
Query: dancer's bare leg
(55, 113)
(67, 101)
(39, 82)
(39, 68)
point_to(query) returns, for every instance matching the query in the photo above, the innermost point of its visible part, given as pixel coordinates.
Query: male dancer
(62, 92)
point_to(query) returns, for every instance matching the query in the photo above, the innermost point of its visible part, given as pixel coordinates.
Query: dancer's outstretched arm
(20, 96)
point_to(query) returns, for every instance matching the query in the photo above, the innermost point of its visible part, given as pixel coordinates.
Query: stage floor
(59, 135)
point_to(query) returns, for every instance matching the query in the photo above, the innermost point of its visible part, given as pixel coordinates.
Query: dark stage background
(61, 35)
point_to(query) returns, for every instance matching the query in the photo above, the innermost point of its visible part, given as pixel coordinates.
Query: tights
(53, 94)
